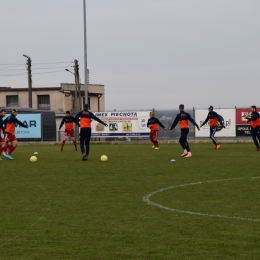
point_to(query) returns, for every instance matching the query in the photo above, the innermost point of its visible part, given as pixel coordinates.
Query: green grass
(63, 208)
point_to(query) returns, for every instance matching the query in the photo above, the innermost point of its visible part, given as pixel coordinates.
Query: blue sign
(34, 123)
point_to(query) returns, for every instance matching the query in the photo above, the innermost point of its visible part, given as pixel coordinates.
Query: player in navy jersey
(68, 120)
(85, 117)
(183, 119)
(153, 123)
(10, 122)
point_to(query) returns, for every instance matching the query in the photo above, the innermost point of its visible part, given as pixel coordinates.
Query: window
(12, 101)
(43, 102)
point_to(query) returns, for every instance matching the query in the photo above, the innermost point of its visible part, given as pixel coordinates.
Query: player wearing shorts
(183, 119)
(9, 133)
(2, 115)
(213, 119)
(254, 120)
(85, 117)
(153, 123)
(68, 120)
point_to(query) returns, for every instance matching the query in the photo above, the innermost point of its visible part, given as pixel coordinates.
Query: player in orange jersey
(153, 123)
(254, 120)
(69, 130)
(183, 119)
(9, 135)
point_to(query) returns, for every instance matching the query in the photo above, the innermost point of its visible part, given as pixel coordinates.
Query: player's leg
(64, 140)
(6, 150)
(155, 141)
(5, 143)
(213, 138)
(82, 136)
(182, 143)
(151, 138)
(187, 147)
(72, 134)
(12, 147)
(254, 133)
(87, 141)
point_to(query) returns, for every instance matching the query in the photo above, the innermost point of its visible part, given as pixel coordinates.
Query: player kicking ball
(68, 120)
(183, 119)
(9, 134)
(213, 119)
(153, 123)
(254, 120)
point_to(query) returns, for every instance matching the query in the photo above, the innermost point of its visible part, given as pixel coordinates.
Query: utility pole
(78, 85)
(29, 68)
(76, 101)
(85, 52)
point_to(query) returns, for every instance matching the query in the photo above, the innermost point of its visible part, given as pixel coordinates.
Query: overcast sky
(147, 53)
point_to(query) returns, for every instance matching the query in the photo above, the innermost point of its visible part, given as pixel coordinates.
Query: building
(58, 99)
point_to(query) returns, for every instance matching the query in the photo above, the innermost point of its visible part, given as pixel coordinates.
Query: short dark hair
(2, 110)
(181, 106)
(254, 107)
(86, 106)
(67, 112)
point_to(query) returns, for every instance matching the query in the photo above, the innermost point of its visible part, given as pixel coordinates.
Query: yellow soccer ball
(33, 159)
(103, 158)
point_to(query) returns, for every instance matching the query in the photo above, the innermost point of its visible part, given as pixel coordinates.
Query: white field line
(147, 199)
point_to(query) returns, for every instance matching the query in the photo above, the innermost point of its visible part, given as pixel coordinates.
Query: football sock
(156, 143)
(63, 143)
(11, 149)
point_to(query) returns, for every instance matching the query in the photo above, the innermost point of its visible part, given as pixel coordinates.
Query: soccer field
(63, 208)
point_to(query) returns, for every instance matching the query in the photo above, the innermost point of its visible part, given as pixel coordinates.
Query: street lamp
(29, 65)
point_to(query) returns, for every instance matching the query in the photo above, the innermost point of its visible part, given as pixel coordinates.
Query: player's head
(210, 108)
(253, 108)
(15, 111)
(86, 106)
(151, 114)
(67, 113)
(2, 112)
(181, 107)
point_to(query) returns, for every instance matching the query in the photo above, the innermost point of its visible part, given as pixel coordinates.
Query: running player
(85, 117)
(254, 119)
(183, 118)
(9, 133)
(69, 130)
(213, 119)
(153, 123)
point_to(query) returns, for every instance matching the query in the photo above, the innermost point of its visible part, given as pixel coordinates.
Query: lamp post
(29, 68)
(85, 52)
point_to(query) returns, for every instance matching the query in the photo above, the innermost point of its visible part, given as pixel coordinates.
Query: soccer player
(2, 115)
(213, 119)
(254, 120)
(69, 130)
(85, 117)
(9, 133)
(153, 123)
(183, 119)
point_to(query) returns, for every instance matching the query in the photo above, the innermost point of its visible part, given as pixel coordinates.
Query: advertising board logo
(244, 115)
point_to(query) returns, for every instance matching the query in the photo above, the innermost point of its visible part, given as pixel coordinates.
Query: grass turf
(64, 208)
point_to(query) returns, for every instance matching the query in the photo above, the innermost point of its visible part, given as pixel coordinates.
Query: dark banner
(243, 130)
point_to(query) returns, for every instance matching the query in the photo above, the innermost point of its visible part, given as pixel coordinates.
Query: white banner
(228, 116)
(121, 124)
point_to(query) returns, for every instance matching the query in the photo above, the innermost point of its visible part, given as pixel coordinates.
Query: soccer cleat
(4, 153)
(84, 158)
(0, 158)
(76, 149)
(156, 148)
(188, 155)
(153, 146)
(184, 154)
(61, 149)
(258, 149)
(9, 157)
(217, 146)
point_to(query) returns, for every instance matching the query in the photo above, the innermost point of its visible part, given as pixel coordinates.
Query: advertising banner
(33, 121)
(228, 117)
(242, 127)
(121, 124)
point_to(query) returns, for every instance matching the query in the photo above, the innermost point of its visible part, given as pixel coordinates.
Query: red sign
(241, 114)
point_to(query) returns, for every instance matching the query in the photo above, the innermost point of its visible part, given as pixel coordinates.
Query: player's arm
(76, 119)
(192, 121)
(20, 123)
(205, 122)
(160, 124)
(3, 124)
(148, 123)
(76, 122)
(62, 122)
(254, 116)
(175, 122)
(218, 118)
(97, 119)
